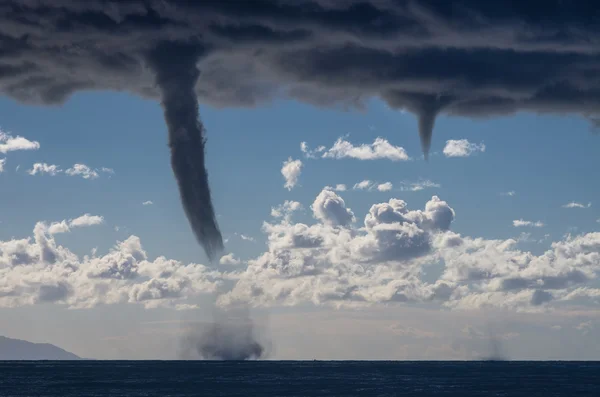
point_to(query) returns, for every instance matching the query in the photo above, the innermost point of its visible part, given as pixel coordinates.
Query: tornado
(427, 107)
(231, 336)
(176, 74)
(426, 122)
(229, 342)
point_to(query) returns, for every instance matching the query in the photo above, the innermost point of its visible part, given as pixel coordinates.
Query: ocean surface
(298, 378)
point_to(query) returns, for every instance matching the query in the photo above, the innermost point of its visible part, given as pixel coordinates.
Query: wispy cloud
(524, 223)
(2, 163)
(417, 186)
(462, 148)
(388, 186)
(340, 187)
(9, 143)
(44, 169)
(245, 237)
(286, 209)
(584, 327)
(291, 171)
(311, 154)
(525, 237)
(574, 204)
(81, 170)
(370, 185)
(147, 202)
(510, 193)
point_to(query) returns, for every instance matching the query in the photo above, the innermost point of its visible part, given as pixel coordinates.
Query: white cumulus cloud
(291, 171)
(147, 202)
(9, 143)
(65, 226)
(379, 149)
(229, 259)
(462, 148)
(331, 209)
(86, 220)
(385, 187)
(382, 262)
(332, 261)
(59, 227)
(82, 170)
(328, 264)
(362, 185)
(36, 270)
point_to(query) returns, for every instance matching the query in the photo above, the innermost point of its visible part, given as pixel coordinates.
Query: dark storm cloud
(467, 57)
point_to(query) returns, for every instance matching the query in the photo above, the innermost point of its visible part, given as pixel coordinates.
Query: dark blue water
(290, 378)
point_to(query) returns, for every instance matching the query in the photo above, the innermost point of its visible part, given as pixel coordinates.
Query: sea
(298, 378)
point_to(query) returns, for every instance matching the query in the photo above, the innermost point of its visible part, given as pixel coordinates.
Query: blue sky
(547, 161)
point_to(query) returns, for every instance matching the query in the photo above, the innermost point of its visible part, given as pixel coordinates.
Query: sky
(496, 236)
(387, 179)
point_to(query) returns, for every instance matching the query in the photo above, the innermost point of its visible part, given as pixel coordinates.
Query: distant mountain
(16, 349)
